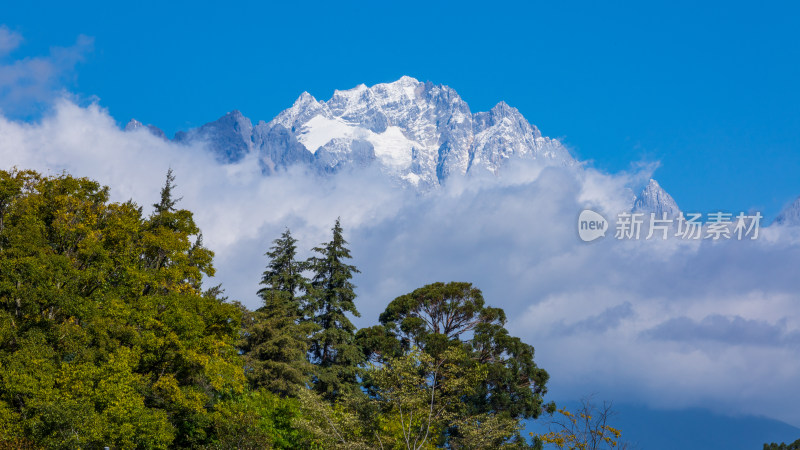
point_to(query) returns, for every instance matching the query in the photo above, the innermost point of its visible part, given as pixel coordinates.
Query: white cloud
(30, 84)
(665, 323)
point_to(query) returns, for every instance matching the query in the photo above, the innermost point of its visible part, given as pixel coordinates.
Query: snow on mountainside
(417, 132)
(790, 215)
(654, 199)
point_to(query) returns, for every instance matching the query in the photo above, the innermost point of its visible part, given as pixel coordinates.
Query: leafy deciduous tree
(439, 316)
(105, 336)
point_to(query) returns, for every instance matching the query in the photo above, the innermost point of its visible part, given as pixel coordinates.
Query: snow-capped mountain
(790, 215)
(417, 132)
(654, 199)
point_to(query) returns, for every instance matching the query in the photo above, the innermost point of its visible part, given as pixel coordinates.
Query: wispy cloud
(670, 324)
(29, 85)
(726, 329)
(9, 40)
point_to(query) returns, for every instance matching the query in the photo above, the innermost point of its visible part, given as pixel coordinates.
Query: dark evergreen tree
(274, 342)
(284, 274)
(167, 203)
(773, 446)
(170, 257)
(330, 296)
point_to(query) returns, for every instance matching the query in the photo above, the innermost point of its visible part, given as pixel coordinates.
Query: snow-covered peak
(790, 215)
(422, 133)
(352, 92)
(507, 116)
(407, 80)
(503, 108)
(654, 199)
(304, 99)
(303, 109)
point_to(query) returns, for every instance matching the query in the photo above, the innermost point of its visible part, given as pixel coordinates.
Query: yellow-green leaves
(587, 428)
(105, 336)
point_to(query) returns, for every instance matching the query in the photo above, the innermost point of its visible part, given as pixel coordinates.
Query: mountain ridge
(417, 132)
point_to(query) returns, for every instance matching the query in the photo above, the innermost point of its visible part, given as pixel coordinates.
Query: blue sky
(710, 91)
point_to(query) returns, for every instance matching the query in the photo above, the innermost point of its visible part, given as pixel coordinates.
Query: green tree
(105, 336)
(439, 316)
(284, 274)
(415, 399)
(275, 343)
(330, 296)
(257, 420)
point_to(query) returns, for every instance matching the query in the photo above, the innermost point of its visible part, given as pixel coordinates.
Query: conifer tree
(330, 296)
(283, 276)
(167, 203)
(275, 344)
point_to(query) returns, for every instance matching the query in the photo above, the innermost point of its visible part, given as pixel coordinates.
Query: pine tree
(329, 297)
(167, 203)
(284, 274)
(275, 344)
(170, 258)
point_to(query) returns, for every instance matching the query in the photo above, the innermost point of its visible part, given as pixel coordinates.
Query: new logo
(591, 225)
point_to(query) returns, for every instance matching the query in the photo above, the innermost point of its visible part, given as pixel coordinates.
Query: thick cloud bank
(666, 323)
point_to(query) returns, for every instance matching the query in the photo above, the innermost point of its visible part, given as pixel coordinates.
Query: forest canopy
(109, 337)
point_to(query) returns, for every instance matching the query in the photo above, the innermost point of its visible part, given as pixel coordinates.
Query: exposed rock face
(654, 199)
(134, 125)
(790, 215)
(420, 133)
(230, 136)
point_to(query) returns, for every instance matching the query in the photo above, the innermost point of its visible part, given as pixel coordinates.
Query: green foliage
(439, 316)
(274, 343)
(415, 400)
(330, 296)
(343, 424)
(424, 395)
(105, 337)
(257, 420)
(773, 446)
(587, 428)
(284, 274)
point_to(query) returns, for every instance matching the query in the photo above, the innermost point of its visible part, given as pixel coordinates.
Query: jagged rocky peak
(134, 125)
(507, 116)
(230, 137)
(303, 109)
(654, 199)
(421, 133)
(790, 215)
